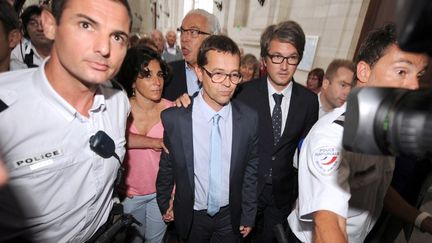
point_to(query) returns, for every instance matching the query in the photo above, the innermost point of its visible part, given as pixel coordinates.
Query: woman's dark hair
(136, 62)
(319, 73)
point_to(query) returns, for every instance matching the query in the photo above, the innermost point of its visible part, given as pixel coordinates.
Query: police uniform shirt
(321, 111)
(349, 184)
(59, 189)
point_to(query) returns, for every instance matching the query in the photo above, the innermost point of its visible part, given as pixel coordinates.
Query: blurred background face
(159, 40)
(171, 38)
(149, 84)
(312, 82)
(247, 71)
(35, 31)
(336, 90)
(189, 44)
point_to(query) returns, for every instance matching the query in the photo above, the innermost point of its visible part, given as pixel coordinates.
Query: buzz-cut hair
(335, 65)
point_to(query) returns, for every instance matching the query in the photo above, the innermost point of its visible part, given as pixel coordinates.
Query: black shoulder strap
(28, 60)
(3, 106)
(340, 120)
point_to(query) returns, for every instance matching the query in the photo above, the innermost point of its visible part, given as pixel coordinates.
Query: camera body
(389, 121)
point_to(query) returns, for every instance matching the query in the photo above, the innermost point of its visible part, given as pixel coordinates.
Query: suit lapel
(185, 121)
(183, 78)
(295, 103)
(264, 107)
(236, 133)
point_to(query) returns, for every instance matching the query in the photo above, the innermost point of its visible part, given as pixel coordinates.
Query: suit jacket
(303, 113)
(177, 167)
(176, 86)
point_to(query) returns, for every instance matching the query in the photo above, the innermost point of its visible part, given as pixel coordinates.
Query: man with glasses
(213, 156)
(34, 47)
(196, 26)
(286, 111)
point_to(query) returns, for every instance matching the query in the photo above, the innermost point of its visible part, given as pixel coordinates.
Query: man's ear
(199, 73)
(49, 24)
(325, 83)
(363, 72)
(14, 38)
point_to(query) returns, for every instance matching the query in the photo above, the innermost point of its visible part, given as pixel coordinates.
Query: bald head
(158, 38)
(171, 38)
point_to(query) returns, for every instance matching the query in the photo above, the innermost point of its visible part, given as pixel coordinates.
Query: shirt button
(273, 158)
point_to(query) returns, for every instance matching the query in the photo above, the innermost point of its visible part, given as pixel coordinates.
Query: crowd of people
(212, 148)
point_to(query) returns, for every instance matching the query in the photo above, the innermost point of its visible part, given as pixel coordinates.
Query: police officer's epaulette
(340, 120)
(3, 106)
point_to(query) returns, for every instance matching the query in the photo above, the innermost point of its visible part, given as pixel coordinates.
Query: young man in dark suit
(283, 122)
(196, 26)
(213, 156)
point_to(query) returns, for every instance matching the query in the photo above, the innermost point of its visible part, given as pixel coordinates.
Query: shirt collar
(41, 82)
(286, 91)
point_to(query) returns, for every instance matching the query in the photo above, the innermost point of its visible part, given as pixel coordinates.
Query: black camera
(395, 121)
(389, 121)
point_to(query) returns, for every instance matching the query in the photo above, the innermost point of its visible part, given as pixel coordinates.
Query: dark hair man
(287, 111)
(341, 193)
(9, 34)
(213, 153)
(60, 190)
(336, 85)
(34, 47)
(196, 26)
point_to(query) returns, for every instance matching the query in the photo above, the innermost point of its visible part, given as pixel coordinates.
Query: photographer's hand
(426, 225)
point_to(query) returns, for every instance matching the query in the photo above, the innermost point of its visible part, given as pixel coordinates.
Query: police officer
(341, 193)
(59, 189)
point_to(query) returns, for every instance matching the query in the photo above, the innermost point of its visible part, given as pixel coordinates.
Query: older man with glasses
(196, 26)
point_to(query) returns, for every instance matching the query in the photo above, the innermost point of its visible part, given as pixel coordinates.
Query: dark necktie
(277, 117)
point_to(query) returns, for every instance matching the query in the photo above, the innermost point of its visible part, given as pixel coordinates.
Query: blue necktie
(214, 190)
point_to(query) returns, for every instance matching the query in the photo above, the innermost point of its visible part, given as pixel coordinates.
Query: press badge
(39, 160)
(326, 159)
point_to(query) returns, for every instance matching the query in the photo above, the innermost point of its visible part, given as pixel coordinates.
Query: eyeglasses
(34, 23)
(278, 59)
(192, 32)
(219, 77)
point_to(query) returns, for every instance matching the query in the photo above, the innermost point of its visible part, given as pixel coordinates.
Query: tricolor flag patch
(326, 159)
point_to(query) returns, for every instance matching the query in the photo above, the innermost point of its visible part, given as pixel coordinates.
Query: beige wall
(337, 23)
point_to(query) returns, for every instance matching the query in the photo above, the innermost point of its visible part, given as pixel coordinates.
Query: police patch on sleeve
(326, 160)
